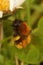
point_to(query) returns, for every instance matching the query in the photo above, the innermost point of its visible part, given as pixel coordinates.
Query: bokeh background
(32, 14)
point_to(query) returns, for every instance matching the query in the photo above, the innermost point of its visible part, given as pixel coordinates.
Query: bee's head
(17, 23)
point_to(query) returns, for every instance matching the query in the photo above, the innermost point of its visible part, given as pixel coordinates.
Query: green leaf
(29, 55)
(37, 39)
(40, 27)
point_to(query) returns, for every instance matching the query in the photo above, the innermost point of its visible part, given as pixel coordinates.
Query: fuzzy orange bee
(22, 35)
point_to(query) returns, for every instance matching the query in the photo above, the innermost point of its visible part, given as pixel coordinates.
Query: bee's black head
(17, 23)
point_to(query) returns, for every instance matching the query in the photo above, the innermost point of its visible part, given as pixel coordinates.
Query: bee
(21, 35)
(9, 5)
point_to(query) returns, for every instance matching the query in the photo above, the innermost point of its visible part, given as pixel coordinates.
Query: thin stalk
(16, 60)
(28, 11)
(1, 32)
(22, 63)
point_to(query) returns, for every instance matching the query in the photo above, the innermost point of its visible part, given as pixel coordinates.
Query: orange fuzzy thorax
(4, 5)
(24, 29)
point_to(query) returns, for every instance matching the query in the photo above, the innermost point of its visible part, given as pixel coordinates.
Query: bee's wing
(15, 4)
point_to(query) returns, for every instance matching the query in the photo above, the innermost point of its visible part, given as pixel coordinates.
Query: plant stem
(22, 63)
(1, 32)
(28, 11)
(16, 60)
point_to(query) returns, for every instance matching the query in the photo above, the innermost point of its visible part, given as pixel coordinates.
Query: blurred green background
(32, 14)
